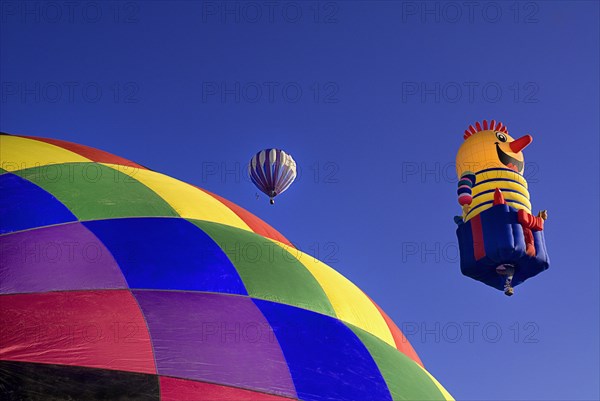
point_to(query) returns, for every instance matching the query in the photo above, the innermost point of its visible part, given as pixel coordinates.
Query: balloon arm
(535, 223)
(464, 190)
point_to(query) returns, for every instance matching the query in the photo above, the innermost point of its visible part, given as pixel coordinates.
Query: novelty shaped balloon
(501, 243)
(272, 171)
(118, 282)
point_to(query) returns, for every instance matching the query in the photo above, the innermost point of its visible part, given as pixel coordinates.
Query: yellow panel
(188, 201)
(517, 206)
(444, 392)
(349, 302)
(508, 196)
(18, 153)
(477, 189)
(496, 174)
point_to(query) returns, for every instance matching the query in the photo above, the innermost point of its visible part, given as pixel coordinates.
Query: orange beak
(519, 144)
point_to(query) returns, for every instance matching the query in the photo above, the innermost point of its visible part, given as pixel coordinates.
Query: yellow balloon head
(488, 146)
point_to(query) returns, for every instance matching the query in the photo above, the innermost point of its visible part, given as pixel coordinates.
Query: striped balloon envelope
(272, 171)
(118, 282)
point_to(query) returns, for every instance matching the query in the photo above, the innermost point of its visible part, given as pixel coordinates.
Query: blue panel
(498, 224)
(24, 205)
(504, 243)
(326, 359)
(167, 253)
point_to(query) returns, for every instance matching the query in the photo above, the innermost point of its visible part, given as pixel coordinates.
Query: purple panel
(218, 338)
(63, 257)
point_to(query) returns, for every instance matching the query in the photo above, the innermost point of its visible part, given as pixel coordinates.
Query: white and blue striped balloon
(272, 171)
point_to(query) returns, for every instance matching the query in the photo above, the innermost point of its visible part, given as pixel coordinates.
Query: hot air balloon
(272, 171)
(501, 243)
(118, 282)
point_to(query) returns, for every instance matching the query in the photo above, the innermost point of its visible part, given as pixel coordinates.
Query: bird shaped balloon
(501, 243)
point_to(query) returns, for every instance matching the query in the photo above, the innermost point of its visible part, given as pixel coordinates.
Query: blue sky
(371, 99)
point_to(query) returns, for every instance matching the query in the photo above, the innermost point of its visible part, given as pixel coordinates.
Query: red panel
(100, 329)
(95, 155)
(172, 389)
(478, 244)
(498, 197)
(402, 343)
(256, 224)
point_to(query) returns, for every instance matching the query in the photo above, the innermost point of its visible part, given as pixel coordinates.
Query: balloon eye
(501, 137)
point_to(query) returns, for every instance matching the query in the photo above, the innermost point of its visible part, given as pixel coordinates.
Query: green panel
(2, 171)
(405, 379)
(267, 270)
(93, 191)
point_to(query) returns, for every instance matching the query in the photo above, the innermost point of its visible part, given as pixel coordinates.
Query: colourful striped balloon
(118, 282)
(272, 171)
